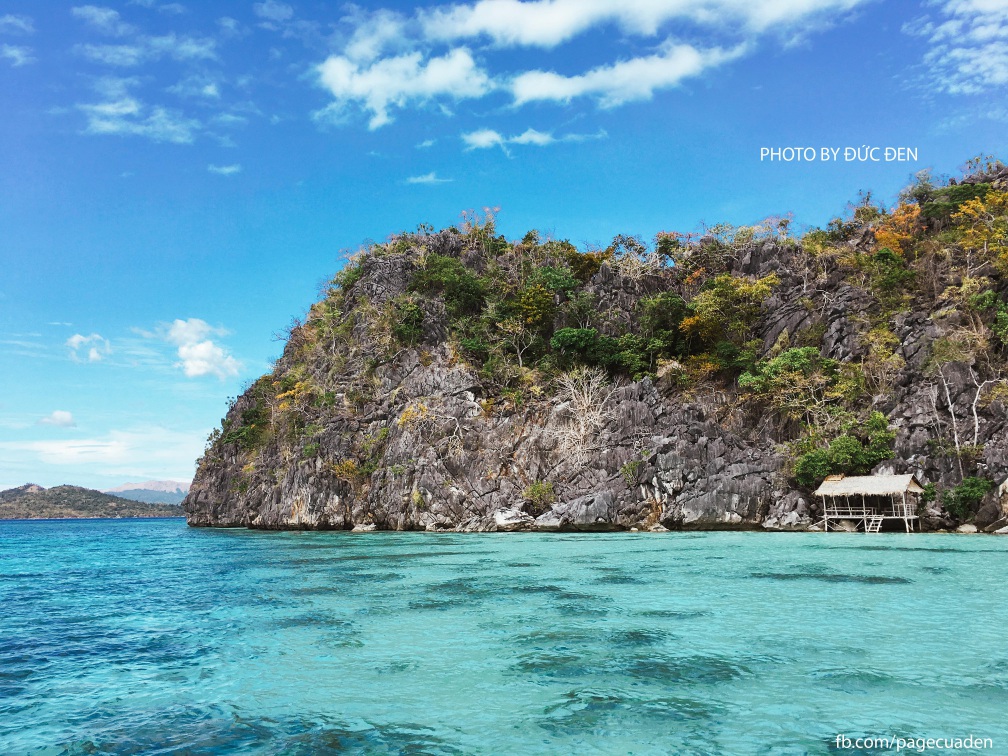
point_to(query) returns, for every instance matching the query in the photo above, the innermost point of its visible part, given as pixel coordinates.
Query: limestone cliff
(456, 380)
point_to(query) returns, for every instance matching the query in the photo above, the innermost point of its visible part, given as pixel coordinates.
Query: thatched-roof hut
(870, 499)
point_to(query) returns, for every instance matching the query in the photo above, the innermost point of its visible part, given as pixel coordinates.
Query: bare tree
(950, 405)
(418, 418)
(583, 397)
(955, 424)
(980, 386)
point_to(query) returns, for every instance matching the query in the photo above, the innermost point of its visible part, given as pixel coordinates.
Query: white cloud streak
(181, 48)
(18, 55)
(12, 24)
(104, 20)
(487, 138)
(225, 170)
(128, 116)
(428, 178)
(622, 82)
(142, 452)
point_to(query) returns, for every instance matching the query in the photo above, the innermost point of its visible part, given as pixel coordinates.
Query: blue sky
(176, 179)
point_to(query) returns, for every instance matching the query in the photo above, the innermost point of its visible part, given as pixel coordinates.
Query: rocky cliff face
(384, 413)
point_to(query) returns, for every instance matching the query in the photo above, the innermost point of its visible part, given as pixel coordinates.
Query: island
(33, 502)
(458, 380)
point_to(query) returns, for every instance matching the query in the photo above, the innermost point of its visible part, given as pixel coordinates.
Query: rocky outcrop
(418, 439)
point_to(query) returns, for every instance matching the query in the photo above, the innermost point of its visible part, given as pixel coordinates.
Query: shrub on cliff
(855, 452)
(726, 309)
(463, 292)
(963, 501)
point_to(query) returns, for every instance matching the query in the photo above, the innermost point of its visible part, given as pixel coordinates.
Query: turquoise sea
(150, 637)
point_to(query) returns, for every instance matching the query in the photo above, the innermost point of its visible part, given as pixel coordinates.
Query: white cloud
(174, 9)
(105, 20)
(625, 81)
(531, 136)
(374, 33)
(428, 178)
(425, 144)
(181, 48)
(271, 10)
(113, 55)
(230, 119)
(486, 138)
(388, 57)
(969, 45)
(18, 55)
(198, 354)
(225, 170)
(142, 452)
(201, 87)
(128, 116)
(95, 345)
(547, 23)
(399, 81)
(59, 418)
(143, 49)
(11, 24)
(483, 139)
(230, 27)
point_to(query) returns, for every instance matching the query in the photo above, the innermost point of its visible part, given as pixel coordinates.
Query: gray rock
(512, 519)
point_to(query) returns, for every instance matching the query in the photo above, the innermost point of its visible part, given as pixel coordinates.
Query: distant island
(32, 502)
(152, 491)
(459, 380)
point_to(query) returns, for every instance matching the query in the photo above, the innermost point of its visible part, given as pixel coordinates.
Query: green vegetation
(408, 323)
(540, 496)
(462, 291)
(726, 309)
(631, 471)
(855, 452)
(964, 500)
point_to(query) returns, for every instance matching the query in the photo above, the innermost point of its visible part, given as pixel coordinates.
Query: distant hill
(32, 502)
(14, 493)
(153, 491)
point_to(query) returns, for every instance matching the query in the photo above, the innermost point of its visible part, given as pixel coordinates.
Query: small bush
(464, 293)
(350, 275)
(947, 200)
(631, 471)
(583, 265)
(540, 496)
(408, 326)
(963, 501)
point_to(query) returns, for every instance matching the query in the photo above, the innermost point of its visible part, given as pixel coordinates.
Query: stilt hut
(870, 500)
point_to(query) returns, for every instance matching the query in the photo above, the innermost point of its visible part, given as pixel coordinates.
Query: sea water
(151, 637)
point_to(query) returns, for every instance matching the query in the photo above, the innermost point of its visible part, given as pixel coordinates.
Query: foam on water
(149, 637)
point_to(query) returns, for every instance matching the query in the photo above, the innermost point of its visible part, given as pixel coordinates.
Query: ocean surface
(150, 637)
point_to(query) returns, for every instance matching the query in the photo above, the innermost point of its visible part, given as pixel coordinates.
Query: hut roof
(869, 485)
